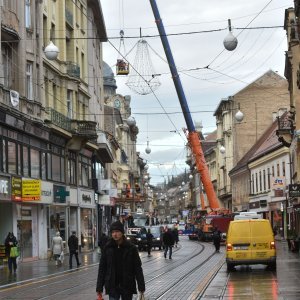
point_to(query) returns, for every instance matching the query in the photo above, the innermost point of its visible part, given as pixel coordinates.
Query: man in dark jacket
(11, 241)
(73, 248)
(217, 238)
(168, 240)
(149, 237)
(120, 266)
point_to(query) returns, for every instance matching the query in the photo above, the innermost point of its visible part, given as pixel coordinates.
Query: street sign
(294, 190)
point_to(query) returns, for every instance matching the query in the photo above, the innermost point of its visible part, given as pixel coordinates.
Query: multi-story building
(52, 114)
(259, 101)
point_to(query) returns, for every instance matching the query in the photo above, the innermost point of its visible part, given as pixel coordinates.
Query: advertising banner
(31, 190)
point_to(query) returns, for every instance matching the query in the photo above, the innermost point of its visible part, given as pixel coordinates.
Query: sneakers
(170, 257)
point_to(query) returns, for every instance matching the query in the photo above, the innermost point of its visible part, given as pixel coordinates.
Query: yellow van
(250, 242)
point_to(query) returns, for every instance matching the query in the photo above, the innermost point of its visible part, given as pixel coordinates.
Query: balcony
(86, 129)
(73, 69)
(58, 119)
(104, 151)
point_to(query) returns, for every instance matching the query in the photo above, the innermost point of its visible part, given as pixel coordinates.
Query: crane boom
(193, 136)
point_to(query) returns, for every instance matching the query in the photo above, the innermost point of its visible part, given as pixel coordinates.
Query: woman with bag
(57, 247)
(11, 251)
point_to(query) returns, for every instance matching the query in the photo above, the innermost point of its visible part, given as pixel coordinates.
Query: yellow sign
(31, 190)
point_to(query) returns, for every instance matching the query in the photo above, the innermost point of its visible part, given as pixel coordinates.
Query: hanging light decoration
(131, 121)
(230, 42)
(142, 79)
(191, 176)
(51, 51)
(148, 149)
(239, 116)
(222, 150)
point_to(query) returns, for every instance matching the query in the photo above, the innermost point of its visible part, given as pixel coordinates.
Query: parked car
(133, 233)
(250, 242)
(156, 241)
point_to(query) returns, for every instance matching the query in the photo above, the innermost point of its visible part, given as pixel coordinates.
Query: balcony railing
(73, 69)
(58, 119)
(84, 128)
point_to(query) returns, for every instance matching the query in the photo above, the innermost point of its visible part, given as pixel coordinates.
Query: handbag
(61, 257)
(14, 252)
(142, 296)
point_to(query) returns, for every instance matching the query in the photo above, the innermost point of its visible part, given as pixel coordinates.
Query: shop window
(85, 171)
(57, 221)
(87, 229)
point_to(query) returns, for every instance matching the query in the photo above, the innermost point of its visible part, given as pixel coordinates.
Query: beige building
(53, 151)
(260, 101)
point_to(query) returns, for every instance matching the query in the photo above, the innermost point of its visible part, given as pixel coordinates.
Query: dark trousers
(149, 247)
(12, 262)
(217, 245)
(166, 251)
(120, 296)
(73, 252)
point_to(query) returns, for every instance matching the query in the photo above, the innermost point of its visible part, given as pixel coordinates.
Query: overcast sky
(258, 51)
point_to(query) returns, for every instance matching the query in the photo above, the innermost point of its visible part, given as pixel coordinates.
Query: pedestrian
(57, 247)
(120, 267)
(11, 241)
(149, 237)
(176, 236)
(168, 240)
(73, 248)
(102, 241)
(217, 238)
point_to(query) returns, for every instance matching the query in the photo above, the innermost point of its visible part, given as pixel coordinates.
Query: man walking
(120, 267)
(168, 240)
(73, 248)
(149, 237)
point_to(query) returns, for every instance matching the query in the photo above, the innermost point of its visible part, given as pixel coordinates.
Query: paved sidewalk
(40, 268)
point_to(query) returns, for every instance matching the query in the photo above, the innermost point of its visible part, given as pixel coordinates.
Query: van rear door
(261, 235)
(240, 240)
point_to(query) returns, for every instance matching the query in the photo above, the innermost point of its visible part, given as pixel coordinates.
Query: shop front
(88, 230)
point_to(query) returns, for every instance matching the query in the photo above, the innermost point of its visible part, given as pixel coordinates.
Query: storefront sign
(16, 188)
(47, 192)
(278, 183)
(104, 200)
(31, 190)
(4, 188)
(87, 197)
(294, 190)
(253, 205)
(60, 193)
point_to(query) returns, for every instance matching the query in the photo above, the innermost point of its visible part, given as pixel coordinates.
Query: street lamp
(222, 150)
(131, 121)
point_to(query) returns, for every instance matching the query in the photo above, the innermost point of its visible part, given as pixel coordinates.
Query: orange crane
(193, 137)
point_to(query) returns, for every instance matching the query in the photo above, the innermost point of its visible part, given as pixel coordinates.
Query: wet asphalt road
(187, 276)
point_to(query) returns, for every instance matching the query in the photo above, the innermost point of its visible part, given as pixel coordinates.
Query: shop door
(25, 238)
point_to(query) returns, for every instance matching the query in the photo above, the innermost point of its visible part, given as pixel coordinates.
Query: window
(85, 171)
(25, 161)
(7, 64)
(27, 14)
(52, 32)
(273, 171)
(283, 168)
(256, 183)
(278, 170)
(12, 157)
(29, 81)
(260, 182)
(35, 163)
(72, 168)
(44, 165)
(269, 183)
(264, 179)
(252, 184)
(70, 103)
